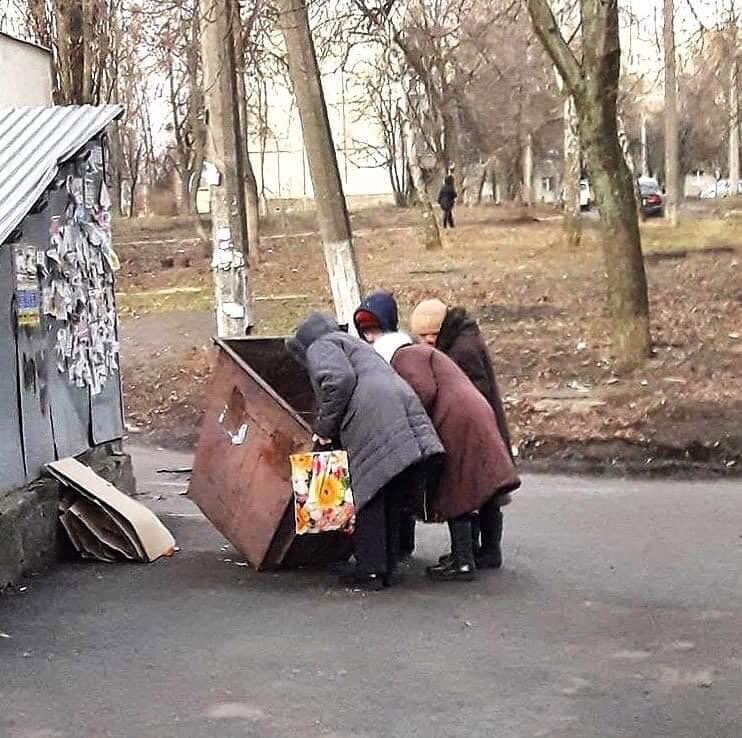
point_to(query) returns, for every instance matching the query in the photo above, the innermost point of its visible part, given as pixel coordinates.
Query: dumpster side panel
(241, 474)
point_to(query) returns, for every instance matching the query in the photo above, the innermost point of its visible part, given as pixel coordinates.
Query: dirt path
(163, 333)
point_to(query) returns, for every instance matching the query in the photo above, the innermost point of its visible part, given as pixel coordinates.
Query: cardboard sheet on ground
(104, 523)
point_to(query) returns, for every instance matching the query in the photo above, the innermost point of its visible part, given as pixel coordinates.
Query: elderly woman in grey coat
(380, 422)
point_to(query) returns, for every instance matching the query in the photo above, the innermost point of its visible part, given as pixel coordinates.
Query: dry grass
(541, 307)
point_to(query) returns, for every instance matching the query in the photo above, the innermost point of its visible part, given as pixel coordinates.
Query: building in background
(277, 149)
(26, 73)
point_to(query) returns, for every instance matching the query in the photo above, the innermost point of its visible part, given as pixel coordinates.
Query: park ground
(617, 615)
(541, 306)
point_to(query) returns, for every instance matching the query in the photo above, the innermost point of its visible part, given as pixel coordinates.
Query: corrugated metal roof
(33, 143)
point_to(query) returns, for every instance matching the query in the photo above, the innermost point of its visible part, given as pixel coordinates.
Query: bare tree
(332, 212)
(173, 35)
(382, 100)
(593, 82)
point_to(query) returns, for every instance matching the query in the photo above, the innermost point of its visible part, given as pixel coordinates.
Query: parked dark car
(652, 202)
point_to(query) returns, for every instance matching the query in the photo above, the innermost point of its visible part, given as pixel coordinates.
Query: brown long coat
(461, 340)
(477, 465)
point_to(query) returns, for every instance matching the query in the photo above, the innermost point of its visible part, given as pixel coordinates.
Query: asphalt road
(619, 613)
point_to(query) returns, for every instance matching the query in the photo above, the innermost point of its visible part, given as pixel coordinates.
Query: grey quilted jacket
(364, 403)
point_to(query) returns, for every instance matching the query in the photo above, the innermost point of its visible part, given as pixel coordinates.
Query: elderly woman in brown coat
(477, 465)
(456, 333)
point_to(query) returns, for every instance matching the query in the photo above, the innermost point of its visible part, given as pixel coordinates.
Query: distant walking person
(447, 199)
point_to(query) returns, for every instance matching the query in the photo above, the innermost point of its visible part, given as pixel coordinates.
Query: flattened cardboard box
(106, 524)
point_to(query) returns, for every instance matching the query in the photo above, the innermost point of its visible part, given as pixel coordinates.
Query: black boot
(460, 567)
(475, 541)
(489, 555)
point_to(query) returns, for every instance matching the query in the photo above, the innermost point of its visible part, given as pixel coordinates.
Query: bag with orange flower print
(323, 499)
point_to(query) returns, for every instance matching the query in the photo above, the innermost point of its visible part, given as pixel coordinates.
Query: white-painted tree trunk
(528, 170)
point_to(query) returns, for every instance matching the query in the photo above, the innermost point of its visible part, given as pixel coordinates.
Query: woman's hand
(321, 441)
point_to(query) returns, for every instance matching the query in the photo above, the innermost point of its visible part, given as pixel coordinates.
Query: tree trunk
(252, 200)
(133, 184)
(86, 52)
(115, 168)
(613, 184)
(672, 178)
(230, 261)
(503, 183)
(76, 25)
(473, 182)
(429, 232)
(734, 129)
(593, 82)
(572, 171)
(184, 192)
(451, 153)
(332, 212)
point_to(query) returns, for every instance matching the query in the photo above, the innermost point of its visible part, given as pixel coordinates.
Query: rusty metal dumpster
(259, 403)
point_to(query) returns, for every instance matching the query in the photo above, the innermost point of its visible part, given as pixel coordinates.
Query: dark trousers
(448, 218)
(376, 537)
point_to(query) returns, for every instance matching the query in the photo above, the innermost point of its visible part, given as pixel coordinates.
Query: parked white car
(586, 194)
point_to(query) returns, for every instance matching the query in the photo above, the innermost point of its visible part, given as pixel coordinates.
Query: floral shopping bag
(323, 500)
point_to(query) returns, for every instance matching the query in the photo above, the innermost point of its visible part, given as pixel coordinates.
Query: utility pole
(230, 260)
(672, 178)
(332, 212)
